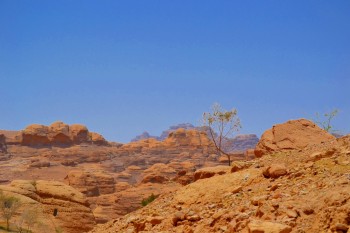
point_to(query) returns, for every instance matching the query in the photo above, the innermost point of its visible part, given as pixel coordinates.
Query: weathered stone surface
(275, 170)
(208, 172)
(59, 206)
(294, 134)
(268, 227)
(91, 183)
(58, 134)
(35, 135)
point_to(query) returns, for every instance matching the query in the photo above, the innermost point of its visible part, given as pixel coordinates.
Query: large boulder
(59, 133)
(291, 135)
(35, 135)
(97, 139)
(78, 133)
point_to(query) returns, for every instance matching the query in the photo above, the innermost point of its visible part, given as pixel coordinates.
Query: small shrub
(149, 199)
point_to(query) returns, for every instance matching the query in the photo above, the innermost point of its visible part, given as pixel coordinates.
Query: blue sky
(123, 67)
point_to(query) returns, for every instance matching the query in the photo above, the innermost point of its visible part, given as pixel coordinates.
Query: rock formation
(57, 205)
(294, 134)
(57, 134)
(304, 190)
(143, 136)
(114, 177)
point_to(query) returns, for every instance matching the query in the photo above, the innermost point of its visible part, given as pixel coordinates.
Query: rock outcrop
(58, 134)
(91, 184)
(294, 134)
(58, 206)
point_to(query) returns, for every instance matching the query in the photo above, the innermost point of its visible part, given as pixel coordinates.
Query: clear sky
(123, 67)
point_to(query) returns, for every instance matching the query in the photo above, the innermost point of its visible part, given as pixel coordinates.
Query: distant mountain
(165, 133)
(241, 143)
(144, 135)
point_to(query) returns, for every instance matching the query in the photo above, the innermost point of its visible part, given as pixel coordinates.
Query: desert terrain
(296, 178)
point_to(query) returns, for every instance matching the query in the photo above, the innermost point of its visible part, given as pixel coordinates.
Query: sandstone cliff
(56, 134)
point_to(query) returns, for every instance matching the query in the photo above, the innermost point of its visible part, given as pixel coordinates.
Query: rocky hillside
(114, 177)
(299, 183)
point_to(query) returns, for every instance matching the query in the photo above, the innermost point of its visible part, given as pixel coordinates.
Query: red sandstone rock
(59, 133)
(208, 172)
(97, 139)
(72, 212)
(78, 133)
(35, 135)
(91, 184)
(275, 170)
(294, 134)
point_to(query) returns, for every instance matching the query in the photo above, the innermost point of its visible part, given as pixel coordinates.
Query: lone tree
(8, 207)
(222, 125)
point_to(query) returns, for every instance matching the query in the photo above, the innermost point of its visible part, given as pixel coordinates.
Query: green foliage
(149, 199)
(325, 122)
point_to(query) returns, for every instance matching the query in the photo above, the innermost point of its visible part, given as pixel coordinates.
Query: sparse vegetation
(8, 207)
(149, 199)
(26, 222)
(325, 122)
(222, 125)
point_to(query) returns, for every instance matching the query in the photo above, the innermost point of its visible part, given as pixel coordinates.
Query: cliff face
(56, 134)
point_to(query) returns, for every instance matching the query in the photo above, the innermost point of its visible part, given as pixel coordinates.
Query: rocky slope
(114, 177)
(287, 189)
